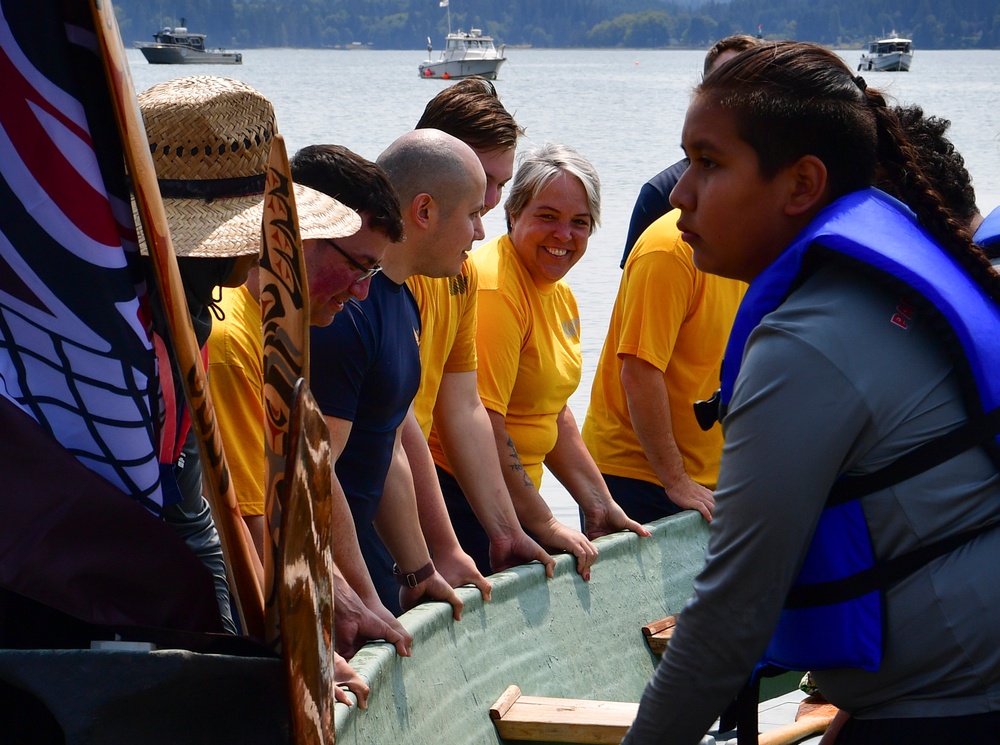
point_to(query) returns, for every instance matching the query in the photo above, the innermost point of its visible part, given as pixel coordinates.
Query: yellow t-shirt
(448, 333)
(677, 319)
(528, 345)
(235, 379)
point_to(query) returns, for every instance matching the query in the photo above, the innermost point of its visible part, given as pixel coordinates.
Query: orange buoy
(446, 76)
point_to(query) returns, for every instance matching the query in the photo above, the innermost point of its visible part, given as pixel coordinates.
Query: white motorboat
(893, 54)
(178, 46)
(465, 54)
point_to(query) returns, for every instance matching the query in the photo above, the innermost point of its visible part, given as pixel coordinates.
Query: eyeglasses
(366, 271)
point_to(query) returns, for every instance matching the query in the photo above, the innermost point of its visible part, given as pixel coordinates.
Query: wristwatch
(413, 579)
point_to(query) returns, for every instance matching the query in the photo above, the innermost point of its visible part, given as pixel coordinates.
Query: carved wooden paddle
(284, 301)
(305, 592)
(298, 509)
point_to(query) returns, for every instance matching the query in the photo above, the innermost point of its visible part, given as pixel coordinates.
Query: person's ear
(422, 209)
(808, 186)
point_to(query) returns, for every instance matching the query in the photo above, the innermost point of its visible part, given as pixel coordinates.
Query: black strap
(886, 573)
(741, 714)
(881, 575)
(918, 460)
(218, 188)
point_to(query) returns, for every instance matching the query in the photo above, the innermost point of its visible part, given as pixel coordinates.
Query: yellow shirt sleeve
(448, 334)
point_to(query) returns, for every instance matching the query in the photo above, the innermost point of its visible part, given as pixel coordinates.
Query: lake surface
(622, 109)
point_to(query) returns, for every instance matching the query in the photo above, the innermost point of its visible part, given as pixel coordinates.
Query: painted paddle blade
(305, 587)
(242, 563)
(284, 300)
(298, 552)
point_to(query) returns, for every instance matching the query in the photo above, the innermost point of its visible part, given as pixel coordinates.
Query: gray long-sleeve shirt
(830, 384)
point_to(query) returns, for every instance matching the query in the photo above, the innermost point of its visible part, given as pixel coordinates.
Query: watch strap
(412, 579)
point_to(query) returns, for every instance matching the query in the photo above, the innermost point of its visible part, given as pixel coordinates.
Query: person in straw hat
(210, 139)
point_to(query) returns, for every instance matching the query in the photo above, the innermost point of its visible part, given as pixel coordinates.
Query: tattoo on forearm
(515, 463)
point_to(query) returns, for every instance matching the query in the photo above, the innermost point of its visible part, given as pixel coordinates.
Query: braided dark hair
(900, 166)
(941, 162)
(793, 98)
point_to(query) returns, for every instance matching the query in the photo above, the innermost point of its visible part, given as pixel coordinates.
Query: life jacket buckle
(709, 412)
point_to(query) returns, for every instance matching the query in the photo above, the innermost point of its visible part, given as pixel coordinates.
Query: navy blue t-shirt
(652, 203)
(365, 368)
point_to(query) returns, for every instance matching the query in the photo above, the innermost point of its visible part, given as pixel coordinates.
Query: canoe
(559, 637)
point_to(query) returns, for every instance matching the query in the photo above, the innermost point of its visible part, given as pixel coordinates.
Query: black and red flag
(79, 478)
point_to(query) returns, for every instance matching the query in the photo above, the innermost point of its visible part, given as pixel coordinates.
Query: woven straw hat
(210, 138)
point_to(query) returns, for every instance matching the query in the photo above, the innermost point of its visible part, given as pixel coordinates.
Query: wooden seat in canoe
(543, 719)
(571, 720)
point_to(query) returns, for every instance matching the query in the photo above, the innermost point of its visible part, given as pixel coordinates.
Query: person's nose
(682, 196)
(491, 199)
(360, 289)
(563, 231)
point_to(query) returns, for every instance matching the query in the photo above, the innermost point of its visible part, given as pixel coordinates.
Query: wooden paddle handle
(243, 565)
(799, 730)
(284, 308)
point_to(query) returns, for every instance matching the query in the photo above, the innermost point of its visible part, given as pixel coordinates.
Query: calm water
(623, 109)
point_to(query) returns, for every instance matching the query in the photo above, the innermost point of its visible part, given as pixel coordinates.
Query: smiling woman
(529, 358)
(551, 234)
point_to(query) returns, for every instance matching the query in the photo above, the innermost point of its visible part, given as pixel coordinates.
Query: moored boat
(892, 53)
(465, 54)
(178, 46)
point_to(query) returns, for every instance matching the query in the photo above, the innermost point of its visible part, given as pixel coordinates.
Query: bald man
(365, 366)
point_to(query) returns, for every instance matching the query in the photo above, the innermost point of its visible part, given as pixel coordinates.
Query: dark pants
(379, 563)
(471, 535)
(641, 500)
(976, 728)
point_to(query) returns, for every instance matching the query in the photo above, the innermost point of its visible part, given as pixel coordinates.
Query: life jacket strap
(741, 714)
(923, 458)
(881, 575)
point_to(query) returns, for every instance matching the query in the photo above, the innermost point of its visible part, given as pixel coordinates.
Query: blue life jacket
(833, 615)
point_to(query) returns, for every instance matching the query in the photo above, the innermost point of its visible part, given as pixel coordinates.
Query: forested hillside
(406, 24)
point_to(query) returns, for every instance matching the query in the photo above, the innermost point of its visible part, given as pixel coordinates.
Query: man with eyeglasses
(337, 269)
(366, 365)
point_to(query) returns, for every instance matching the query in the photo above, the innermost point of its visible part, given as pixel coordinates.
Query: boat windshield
(888, 47)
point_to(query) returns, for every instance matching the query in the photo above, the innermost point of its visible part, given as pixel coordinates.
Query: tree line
(406, 24)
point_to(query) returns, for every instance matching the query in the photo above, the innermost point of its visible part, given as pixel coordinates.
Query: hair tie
(860, 82)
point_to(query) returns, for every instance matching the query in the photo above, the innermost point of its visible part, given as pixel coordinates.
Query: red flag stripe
(70, 192)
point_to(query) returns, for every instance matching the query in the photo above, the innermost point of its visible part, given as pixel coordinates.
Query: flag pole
(242, 564)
